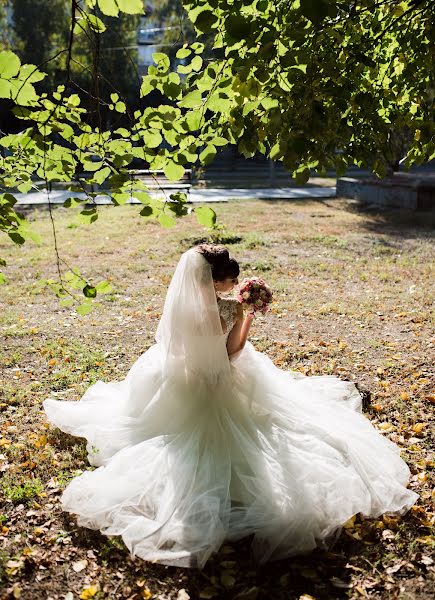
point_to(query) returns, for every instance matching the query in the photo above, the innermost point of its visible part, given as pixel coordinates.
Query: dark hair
(222, 266)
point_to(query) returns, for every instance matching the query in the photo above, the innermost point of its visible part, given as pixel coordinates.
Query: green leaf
(219, 141)
(183, 53)
(193, 120)
(104, 287)
(84, 308)
(95, 23)
(31, 74)
(109, 7)
(161, 60)
(191, 100)
(143, 197)
(166, 220)
(205, 216)
(178, 197)
(5, 88)
(9, 64)
(120, 107)
(23, 93)
(89, 291)
(101, 175)
(197, 47)
(152, 138)
(73, 202)
(88, 215)
(173, 171)
(147, 211)
(205, 20)
(196, 63)
(237, 26)
(2, 278)
(131, 7)
(148, 85)
(16, 238)
(67, 302)
(208, 154)
(302, 175)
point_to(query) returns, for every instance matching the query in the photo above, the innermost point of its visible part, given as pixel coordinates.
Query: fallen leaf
(227, 579)
(395, 568)
(79, 565)
(386, 426)
(422, 477)
(350, 522)
(418, 427)
(89, 592)
(41, 442)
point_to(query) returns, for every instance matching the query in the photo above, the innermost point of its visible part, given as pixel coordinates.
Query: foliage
(40, 35)
(316, 84)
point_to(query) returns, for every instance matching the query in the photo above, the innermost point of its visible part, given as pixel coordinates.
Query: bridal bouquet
(254, 293)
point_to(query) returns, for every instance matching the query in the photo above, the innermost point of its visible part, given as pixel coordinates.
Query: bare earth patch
(354, 293)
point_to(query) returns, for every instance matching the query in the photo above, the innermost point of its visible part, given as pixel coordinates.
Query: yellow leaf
(88, 592)
(350, 522)
(41, 442)
(422, 477)
(418, 427)
(146, 594)
(404, 396)
(386, 426)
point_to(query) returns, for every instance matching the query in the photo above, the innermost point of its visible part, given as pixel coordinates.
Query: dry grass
(353, 298)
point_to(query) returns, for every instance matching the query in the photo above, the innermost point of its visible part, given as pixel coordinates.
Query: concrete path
(195, 195)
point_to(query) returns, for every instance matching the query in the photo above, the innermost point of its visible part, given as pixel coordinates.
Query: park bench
(155, 180)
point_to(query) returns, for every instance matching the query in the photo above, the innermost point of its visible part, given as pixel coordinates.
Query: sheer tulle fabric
(187, 460)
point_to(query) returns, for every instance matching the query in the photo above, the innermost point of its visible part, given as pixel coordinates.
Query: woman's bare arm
(239, 333)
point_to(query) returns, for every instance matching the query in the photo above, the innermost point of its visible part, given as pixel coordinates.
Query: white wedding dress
(193, 449)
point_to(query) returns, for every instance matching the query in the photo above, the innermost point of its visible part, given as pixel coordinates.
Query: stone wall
(398, 191)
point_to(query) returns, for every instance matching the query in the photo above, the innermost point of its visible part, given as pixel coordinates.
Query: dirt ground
(353, 297)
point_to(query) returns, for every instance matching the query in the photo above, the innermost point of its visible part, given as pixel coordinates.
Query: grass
(353, 297)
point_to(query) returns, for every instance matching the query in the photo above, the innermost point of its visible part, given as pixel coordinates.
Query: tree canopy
(316, 84)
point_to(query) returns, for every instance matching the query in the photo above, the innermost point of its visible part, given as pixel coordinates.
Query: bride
(206, 440)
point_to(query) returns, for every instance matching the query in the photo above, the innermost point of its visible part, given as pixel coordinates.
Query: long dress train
(185, 462)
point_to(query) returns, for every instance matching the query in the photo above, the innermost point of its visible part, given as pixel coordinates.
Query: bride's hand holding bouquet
(255, 295)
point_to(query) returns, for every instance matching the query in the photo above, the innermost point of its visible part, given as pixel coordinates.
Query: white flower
(245, 295)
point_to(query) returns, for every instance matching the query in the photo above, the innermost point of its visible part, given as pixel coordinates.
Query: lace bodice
(228, 311)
